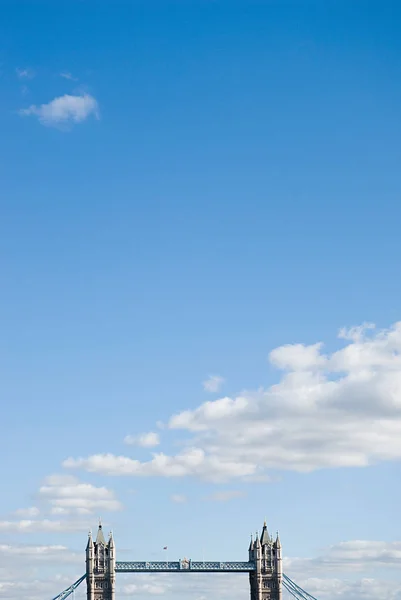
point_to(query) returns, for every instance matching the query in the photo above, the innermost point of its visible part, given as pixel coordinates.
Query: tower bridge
(264, 568)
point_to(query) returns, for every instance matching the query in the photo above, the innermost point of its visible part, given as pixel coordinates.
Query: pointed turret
(89, 556)
(112, 558)
(257, 541)
(265, 537)
(279, 566)
(250, 549)
(89, 545)
(100, 537)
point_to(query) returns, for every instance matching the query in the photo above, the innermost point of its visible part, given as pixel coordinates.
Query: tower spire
(265, 537)
(100, 537)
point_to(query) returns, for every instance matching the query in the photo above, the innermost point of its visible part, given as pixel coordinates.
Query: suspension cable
(297, 588)
(67, 592)
(294, 592)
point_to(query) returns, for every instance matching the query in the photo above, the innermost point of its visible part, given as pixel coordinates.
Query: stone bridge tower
(266, 580)
(100, 567)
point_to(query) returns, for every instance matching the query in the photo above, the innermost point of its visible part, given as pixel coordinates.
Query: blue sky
(193, 195)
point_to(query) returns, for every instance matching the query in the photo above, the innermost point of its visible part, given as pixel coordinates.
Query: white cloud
(43, 525)
(225, 495)
(213, 384)
(355, 555)
(194, 587)
(25, 73)
(145, 440)
(190, 462)
(26, 513)
(209, 413)
(327, 410)
(355, 334)
(55, 553)
(178, 498)
(67, 495)
(62, 511)
(362, 589)
(152, 589)
(23, 585)
(298, 357)
(64, 110)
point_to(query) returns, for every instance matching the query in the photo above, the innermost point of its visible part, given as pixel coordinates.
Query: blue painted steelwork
(68, 591)
(295, 590)
(184, 566)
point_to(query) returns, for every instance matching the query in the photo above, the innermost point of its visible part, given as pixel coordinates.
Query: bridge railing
(184, 566)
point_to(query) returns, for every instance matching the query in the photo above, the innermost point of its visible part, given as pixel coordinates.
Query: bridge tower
(266, 580)
(100, 567)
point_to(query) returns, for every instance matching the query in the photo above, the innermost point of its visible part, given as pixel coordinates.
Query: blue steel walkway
(184, 566)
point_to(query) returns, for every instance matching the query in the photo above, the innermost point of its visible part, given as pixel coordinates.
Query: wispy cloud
(64, 110)
(145, 440)
(213, 384)
(44, 525)
(354, 555)
(225, 495)
(68, 76)
(178, 498)
(31, 554)
(27, 513)
(25, 73)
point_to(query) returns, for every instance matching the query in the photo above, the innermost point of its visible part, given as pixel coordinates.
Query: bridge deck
(184, 567)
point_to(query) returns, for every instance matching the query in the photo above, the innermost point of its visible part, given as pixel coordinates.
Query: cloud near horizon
(19, 560)
(327, 410)
(67, 495)
(355, 557)
(66, 503)
(42, 526)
